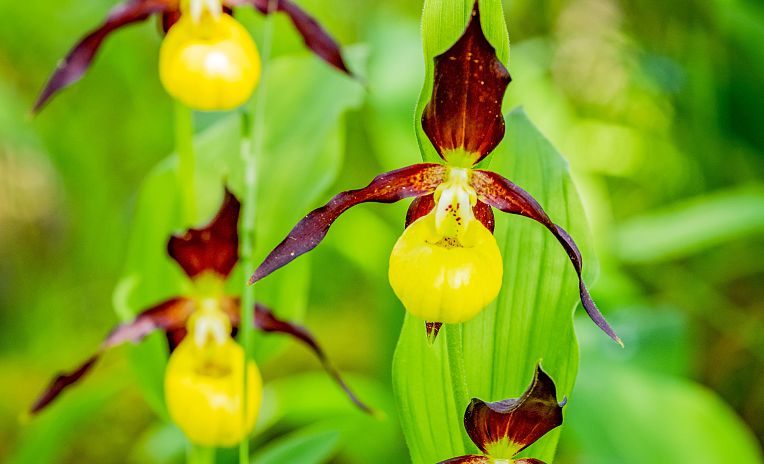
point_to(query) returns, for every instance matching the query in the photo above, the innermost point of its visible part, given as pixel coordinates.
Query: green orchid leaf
(303, 150)
(493, 356)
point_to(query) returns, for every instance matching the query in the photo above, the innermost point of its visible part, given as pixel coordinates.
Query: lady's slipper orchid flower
(446, 267)
(207, 60)
(205, 373)
(502, 429)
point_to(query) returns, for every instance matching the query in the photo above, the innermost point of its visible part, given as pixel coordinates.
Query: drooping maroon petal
(424, 204)
(61, 383)
(168, 316)
(514, 424)
(471, 459)
(214, 247)
(528, 461)
(266, 321)
(316, 38)
(464, 112)
(504, 195)
(411, 181)
(77, 62)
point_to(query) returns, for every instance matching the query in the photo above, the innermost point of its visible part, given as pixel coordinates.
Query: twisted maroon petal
(411, 181)
(168, 316)
(214, 247)
(77, 62)
(266, 321)
(504, 195)
(464, 112)
(313, 34)
(516, 422)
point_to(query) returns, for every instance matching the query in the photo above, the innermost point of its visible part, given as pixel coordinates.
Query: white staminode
(198, 7)
(455, 199)
(211, 322)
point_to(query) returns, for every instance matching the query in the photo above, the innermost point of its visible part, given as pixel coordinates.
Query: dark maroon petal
(169, 18)
(174, 337)
(313, 34)
(528, 461)
(61, 383)
(71, 69)
(471, 459)
(212, 248)
(411, 181)
(168, 316)
(464, 112)
(484, 214)
(504, 195)
(515, 422)
(424, 204)
(421, 206)
(266, 321)
(432, 329)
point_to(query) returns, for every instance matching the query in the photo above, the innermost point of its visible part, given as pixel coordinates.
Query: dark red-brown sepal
(425, 204)
(214, 247)
(528, 461)
(411, 181)
(504, 195)
(168, 316)
(511, 425)
(471, 459)
(77, 62)
(268, 322)
(316, 38)
(464, 113)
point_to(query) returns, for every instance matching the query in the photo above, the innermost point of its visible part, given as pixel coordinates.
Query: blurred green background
(657, 107)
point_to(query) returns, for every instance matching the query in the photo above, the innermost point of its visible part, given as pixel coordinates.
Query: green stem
(454, 344)
(184, 146)
(200, 455)
(252, 146)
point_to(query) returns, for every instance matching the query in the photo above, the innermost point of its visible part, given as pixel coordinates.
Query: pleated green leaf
(493, 356)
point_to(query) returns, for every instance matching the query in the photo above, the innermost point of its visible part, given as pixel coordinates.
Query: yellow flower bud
(212, 64)
(203, 390)
(445, 279)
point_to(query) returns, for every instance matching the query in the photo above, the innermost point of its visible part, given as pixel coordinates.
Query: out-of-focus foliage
(656, 106)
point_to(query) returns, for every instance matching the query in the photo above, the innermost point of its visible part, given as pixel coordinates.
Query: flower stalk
(198, 454)
(184, 146)
(252, 147)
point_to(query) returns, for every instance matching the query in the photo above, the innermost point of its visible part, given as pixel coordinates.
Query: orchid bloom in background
(502, 429)
(446, 267)
(208, 60)
(205, 373)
